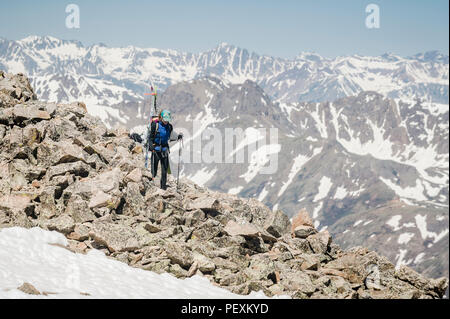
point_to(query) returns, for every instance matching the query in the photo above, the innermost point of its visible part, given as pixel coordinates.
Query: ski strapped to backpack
(153, 117)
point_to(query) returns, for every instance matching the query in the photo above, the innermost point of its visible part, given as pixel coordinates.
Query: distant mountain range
(66, 70)
(363, 141)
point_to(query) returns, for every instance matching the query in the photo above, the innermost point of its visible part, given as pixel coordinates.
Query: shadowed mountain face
(368, 158)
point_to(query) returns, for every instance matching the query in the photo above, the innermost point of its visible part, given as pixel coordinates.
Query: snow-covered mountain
(66, 70)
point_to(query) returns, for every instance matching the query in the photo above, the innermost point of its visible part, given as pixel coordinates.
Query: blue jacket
(160, 135)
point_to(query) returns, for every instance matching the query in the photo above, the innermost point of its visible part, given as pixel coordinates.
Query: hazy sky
(277, 28)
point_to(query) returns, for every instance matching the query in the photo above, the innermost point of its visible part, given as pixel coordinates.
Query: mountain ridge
(285, 80)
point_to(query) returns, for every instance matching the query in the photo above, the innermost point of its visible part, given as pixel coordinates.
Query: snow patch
(394, 222)
(341, 193)
(30, 255)
(324, 188)
(404, 238)
(235, 190)
(299, 162)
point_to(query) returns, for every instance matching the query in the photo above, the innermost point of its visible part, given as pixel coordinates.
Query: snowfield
(38, 257)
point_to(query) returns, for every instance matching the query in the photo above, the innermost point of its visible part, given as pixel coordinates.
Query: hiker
(161, 132)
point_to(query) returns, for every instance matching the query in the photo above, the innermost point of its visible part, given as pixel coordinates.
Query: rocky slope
(368, 168)
(63, 170)
(381, 126)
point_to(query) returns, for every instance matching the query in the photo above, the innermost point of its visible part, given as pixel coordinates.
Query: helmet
(166, 116)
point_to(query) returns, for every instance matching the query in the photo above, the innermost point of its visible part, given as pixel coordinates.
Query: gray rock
(297, 281)
(63, 224)
(152, 228)
(207, 204)
(320, 242)
(247, 230)
(277, 224)
(179, 254)
(79, 210)
(304, 231)
(260, 268)
(117, 238)
(204, 264)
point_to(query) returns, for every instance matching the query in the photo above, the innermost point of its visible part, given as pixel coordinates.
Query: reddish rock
(301, 219)
(35, 184)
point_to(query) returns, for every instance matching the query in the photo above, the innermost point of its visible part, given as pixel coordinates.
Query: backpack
(157, 132)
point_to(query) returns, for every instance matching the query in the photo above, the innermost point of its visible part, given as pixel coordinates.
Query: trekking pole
(179, 162)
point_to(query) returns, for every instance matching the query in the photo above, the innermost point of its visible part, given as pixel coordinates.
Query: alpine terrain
(362, 142)
(63, 170)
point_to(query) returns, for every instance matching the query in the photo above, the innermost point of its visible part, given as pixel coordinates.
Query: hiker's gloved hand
(180, 136)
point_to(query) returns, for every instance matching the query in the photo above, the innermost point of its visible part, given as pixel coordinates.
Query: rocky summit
(62, 169)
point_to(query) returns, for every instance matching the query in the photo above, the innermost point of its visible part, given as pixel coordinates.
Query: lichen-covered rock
(117, 238)
(277, 224)
(14, 89)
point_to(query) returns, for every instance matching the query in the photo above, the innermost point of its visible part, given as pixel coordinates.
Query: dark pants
(162, 157)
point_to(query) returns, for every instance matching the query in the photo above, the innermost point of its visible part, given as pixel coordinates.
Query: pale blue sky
(279, 28)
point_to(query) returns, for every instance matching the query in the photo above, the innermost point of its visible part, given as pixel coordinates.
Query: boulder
(63, 224)
(117, 238)
(178, 271)
(247, 230)
(207, 204)
(77, 168)
(134, 176)
(15, 202)
(179, 254)
(297, 281)
(320, 242)
(302, 219)
(204, 264)
(22, 113)
(418, 281)
(79, 210)
(260, 268)
(304, 231)
(151, 228)
(277, 224)
(309, 262)
(241, 229)
(53, 153)
(101, 199)
(351, 266)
